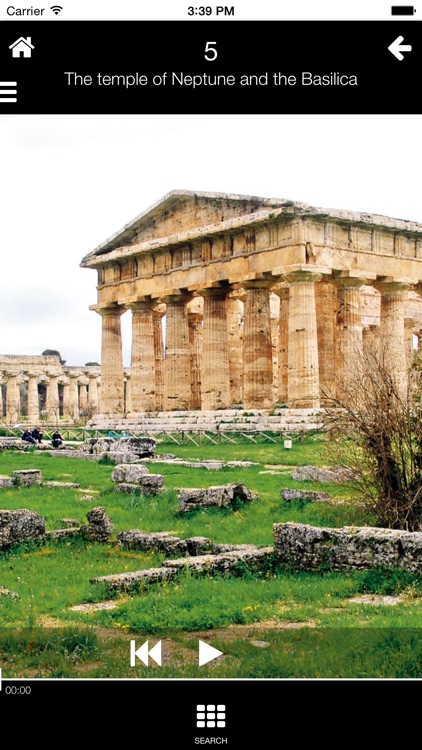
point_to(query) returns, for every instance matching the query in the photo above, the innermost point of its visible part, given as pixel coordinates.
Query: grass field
(275, 624)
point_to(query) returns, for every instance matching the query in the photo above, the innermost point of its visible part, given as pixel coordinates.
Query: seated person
(57, 439)
(36, 434)
(26, 435)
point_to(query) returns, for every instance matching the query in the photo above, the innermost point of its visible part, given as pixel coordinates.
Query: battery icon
(402, 10)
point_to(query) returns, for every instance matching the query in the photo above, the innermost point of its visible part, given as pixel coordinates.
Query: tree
(52, 352)
(92, 364)
(375, 428)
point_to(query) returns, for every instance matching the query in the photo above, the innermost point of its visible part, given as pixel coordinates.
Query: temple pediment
(182, 211)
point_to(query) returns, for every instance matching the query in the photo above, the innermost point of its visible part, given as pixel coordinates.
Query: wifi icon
(56, 9)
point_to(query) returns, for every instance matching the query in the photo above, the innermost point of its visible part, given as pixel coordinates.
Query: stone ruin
(317, 474)
(135, 478)
(317, 497)
(99, 528)
(18, 526)
(220, 497)
(122, 450)
(305, 547)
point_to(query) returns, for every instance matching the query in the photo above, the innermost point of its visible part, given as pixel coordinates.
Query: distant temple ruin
(266, 301)
(40, 387)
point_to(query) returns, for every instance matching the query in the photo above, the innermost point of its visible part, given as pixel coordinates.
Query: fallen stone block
(160, 541)
(20, 526)
(6, 482)
(69, 533)
(66, 485)
(192, 498)
(119, 457)
(199, 545)
(130, 473)
(27, 477)
(70, 522)
(318, 497)
(136, 580)
(100, 527)
(252, 558)
(304, 547)
(150, 484)
(316, 474)
(142, 446)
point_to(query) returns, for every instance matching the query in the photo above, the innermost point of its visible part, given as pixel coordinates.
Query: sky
(67, 183)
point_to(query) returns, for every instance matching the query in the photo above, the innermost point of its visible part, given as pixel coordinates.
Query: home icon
(22, 47)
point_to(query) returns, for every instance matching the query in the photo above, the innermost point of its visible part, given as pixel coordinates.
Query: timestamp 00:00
(208, 10)
(18, 689)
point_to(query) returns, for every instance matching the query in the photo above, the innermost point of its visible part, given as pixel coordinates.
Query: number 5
(211, 51)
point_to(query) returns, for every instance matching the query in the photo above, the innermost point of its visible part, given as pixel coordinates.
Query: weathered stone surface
(27, 477)
(306, 547)
(100, 526)
(316, 474)
(191, 498)
(163, 541)
(7, 482)
(199, 545)
(70, 522)
(129, 473)
(137, 579)
(66, 485)
(119, 457)
(69, 533)
(151, 484)
(160, 541)
(94, 606)
(20, 526)
(10, 444)
(289, 495)
(252, 557)
(142, 446)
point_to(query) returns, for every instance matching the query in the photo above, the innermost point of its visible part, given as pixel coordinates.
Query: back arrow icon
(397, 47)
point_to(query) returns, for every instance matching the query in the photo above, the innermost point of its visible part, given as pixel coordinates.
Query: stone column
(326, 314)
(33, 400)
(83, 396)
(234, 347)
(275, 342)
(283, 343)
(215, 377)
(1, 396)
(112, 384)
(13, 402)
(393, 351)
(195, 343)
(52, 396)
(93, 392)
(257, 349)
(73, 404)
(143, 373)
(349, 333)
(158, 314)
(303, 378)
(66, 397)
(177, 388)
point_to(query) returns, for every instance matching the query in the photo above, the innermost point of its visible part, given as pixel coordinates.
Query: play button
(207, 653)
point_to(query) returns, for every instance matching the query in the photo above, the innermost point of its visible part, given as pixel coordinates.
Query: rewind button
(9, 88)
